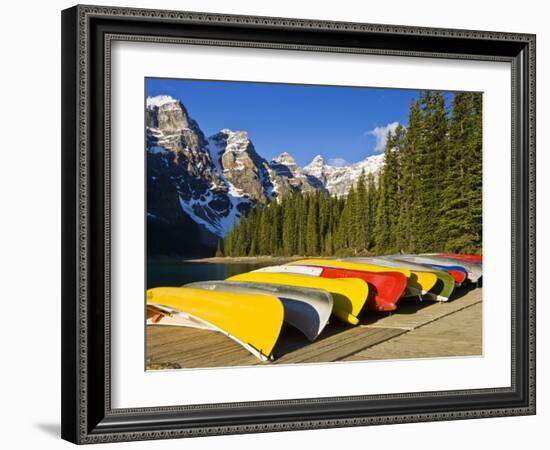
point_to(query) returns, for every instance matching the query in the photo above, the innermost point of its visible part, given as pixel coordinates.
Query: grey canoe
(442, 290)
(306, 309)
(474, 270)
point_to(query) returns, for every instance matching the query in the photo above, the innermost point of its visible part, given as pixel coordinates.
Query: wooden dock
(417, 329)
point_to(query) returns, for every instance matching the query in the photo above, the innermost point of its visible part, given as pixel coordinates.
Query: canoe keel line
(252, 320)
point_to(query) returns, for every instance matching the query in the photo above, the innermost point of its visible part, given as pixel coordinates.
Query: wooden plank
(412, 313)
(214, 353)
(320, 344)
(163, 334)
(457, 334)
(205, 349)
(339, 353)
(339, 346)
(205, 344)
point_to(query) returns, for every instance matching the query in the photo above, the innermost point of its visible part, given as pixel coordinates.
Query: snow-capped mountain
(185, 179)
(198, 186)
(287, 176)
(240, 165)
(338, 180)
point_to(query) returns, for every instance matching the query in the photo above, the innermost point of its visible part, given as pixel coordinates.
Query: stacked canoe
(252, 307)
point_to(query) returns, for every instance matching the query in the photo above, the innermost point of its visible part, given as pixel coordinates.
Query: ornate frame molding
(87, 421)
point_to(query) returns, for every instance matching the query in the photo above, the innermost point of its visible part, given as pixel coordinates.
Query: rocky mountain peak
(161, 100)
(317, 161)
(167, 114)
(289, 177)
(285, 159)
(236, 157)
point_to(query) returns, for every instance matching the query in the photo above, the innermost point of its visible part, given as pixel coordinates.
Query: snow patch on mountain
(219, 224)
(161, 100)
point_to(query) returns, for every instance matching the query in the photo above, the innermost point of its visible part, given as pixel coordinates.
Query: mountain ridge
(214, 180)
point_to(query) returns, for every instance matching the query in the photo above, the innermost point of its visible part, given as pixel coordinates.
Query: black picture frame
(87, 33)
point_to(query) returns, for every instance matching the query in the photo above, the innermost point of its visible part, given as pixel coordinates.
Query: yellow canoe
(252, 320)
(417, 282)
(349, 294)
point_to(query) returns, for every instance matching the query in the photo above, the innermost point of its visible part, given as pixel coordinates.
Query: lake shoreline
(246, 259)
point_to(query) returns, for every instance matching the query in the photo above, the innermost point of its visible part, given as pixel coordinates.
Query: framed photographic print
(279, 224)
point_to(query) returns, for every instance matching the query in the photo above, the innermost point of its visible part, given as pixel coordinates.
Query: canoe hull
(306, 309)
(385, 288)
(252, 320)
(457, 272)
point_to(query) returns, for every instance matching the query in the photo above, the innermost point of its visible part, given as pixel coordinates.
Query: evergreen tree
(342, 240)
(219, 251)
(431, 169)
(301, 223)
(371, 208)
(461, 206)
(276, 228)
(386, 212)
(312, 236)
(328, 248)
(361, 214)
(475, 177)
(289, 225)
(407, 229)
(324, 219)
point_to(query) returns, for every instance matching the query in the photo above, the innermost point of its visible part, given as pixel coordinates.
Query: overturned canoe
(348, 294)
(417, 283)
(475, 271)
(385, 288)
(459, 273)
(252, 320)
(441, 289)
(478, 259)
(306, 309)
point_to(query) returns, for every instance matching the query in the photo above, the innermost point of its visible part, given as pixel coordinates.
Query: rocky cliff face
(289, 177)
(199, 187)
(236, 158)
(184, 185)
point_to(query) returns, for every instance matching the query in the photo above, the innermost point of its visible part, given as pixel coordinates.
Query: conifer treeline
(428, 197)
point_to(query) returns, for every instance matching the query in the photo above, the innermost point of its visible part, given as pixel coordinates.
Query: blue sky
(339, 123)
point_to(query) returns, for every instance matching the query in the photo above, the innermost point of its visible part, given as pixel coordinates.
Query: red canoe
(457, 275)
(467, 258)
(385, 288)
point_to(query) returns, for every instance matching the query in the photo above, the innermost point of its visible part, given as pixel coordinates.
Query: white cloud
(338, 162)
(381, 135)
